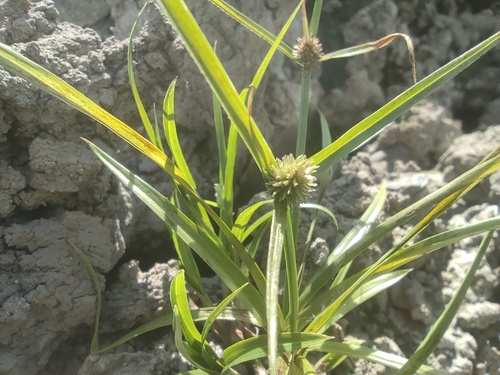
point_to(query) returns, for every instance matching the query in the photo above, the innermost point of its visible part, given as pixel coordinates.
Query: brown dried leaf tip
(290, 181)
(308, 50)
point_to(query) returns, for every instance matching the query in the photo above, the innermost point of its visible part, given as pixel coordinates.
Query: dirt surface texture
(54, 190)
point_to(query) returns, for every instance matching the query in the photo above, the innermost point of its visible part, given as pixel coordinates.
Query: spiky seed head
(290, 181)
(308, 50)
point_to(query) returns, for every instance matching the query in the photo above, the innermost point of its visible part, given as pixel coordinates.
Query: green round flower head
(308, 50)
(290, 181)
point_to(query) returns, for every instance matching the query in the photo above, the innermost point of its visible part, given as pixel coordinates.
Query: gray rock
(465, 152)
(409, 295)
(461, 366)
(318, 251)
(426, 131)
(163, 359)
(478, 315)
(46, 291)
(11, 182)
(82, 14)
(137, 297)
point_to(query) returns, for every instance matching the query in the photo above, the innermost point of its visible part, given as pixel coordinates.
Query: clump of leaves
(288, 330)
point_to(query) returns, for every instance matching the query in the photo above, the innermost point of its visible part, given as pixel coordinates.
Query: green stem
(276, 242)
(292, 279)
(303, 111)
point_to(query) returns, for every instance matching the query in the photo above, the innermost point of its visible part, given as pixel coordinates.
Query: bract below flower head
(290, 181)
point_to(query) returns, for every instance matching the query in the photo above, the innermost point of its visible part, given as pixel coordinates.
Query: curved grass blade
(355, 350)
(170, 131)
(438, 241)
(363, 225)
(435, 212)
(320, 303)
(373, 46)
(317, 208)
(184, 349)
(187, 261)
(400, 258)
(392, 110)
(368, 289)
(203, 244)
(322, 321)
(223, 192)
(159, 322)
(208, 353)
(252, 26)
(328, 362)
(328, 269)
(217, 78)
(440, 208)
(199, 315)
(255, 243)
(49, 82)
(217, 311)
(194, 372)
(256, 347)
(159, 143)
(244, 217)
(321, 208)
(184, 252)
(52, 84)
(94, 346)
(138, 102)
(275, 45)
(366, 222)
(431, 341)
(198, 347)
(179, 299)
(263, 220)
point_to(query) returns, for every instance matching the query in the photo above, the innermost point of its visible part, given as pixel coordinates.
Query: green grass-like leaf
(196, 345)
(138, 102)
(396, 107)
(252, 26)
(323, 275)
(219, 81)
(355, 350)
(276, 244)
(256, 347)
(438, 241)
(49, 82)
(190, 233)
(170, 132)
(431, 341)
(328, 316)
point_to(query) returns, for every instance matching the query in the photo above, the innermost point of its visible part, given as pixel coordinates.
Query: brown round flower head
(290, 181)
(308, 50)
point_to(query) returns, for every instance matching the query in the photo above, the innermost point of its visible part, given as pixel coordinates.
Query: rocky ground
(53, 188)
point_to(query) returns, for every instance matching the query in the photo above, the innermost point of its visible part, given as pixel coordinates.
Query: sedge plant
(281, 331)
